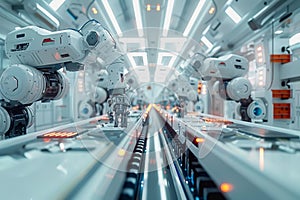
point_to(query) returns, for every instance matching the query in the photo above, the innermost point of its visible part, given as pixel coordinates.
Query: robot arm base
(120, 107)
(15, 120)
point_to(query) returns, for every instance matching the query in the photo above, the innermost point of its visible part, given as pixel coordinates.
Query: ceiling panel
(161, 73)
(142, 72)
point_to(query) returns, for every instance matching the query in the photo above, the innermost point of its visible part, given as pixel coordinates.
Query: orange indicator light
(46, 140)
(226, 187)
(199, 140)
(59, 135)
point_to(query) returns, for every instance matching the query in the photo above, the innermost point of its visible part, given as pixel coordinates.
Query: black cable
(73, 6)
(88, 8)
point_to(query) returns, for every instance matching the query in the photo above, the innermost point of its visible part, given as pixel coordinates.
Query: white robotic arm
(228, 71)
(37, 54)
(225, 67)
(41, 48)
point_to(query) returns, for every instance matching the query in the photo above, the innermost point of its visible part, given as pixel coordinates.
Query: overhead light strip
(137, 54)
(233, 14)
(168, 17)
(131, 60)
(56, 4)
(207, 42)
(172, 61)
(48, 15)
(112, 17)
(138, 17)
(206, 30)
(193, 18)
(165, 54)
(160, 57)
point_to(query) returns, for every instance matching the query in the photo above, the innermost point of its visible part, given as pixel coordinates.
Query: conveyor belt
(242, 165)
(155, 180)
(158, 157)
(88, 166)
(166, 169)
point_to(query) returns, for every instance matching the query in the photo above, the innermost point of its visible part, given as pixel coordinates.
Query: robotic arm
(228, 71)
(230, 83)
(113, 81)
(185, 92)
(36, 55)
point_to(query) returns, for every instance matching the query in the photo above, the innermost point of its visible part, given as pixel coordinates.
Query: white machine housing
(26, 84)
(225, 67)
(37, 47)
(239, 88)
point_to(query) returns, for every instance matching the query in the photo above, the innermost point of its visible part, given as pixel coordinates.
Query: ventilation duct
(263, 16)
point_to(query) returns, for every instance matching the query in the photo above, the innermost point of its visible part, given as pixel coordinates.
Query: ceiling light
(137, 54)
(158, 7)
(148, 7)
(278, 32)
(206, 42)
(168, 17)
(138, 17)
(193, 18)
(165, 54)
(47, 16)
(56, 4)
(233, 14)
(112, 17)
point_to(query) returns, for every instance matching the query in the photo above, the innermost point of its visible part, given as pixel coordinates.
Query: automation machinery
(212, 88)
(227, 74)
(37, 57)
